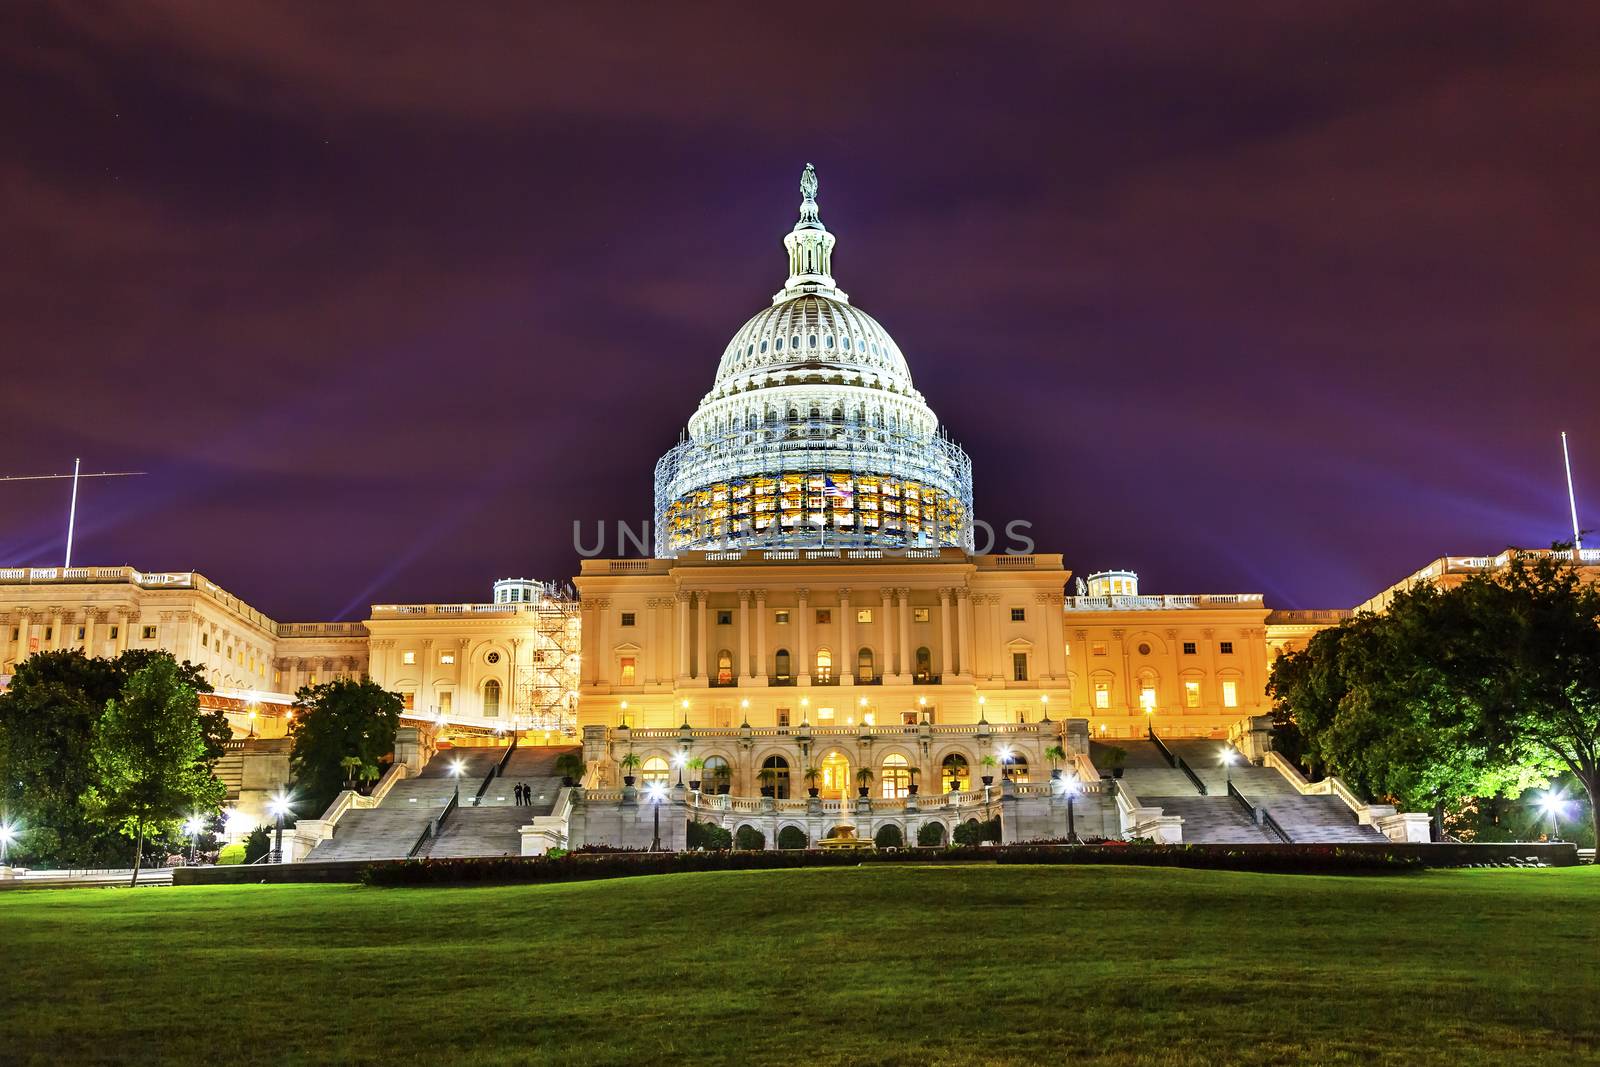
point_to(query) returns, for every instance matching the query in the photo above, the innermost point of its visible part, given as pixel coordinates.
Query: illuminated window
(824, 714)
(446, 698)
(783, 718)
(627, 618)
(1230, 693)
(407, 700)
(1098, 648)
(895, 777)
(954, 774)
(1019, 666)
(864, 667)
(864, 615)
(1188, 648)
(1102, 694)
(1191, 694)
(491, 698)
(920, 615)
(655, 771)
(447, 657)
(149, 633)
(628, 665)
(724, 667)
(924, 671)
(824, 665)
(781, 618)
(1226, 648)
(1019, 614)
(408, 657)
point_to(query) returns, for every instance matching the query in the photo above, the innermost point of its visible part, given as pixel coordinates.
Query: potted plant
(912, 788)
(769, 781)
(351, 765)
(630, 763)
(1055, 754)
(812, 774)
(369, 774)
(570, 767)
(988, 762)
(864, 780)
(695, 765)
(1115, 757)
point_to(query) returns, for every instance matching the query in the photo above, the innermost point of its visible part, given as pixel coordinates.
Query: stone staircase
(1213, 820)
(494, 830)
(535, 767)
(1146, 771)
(390, 830)
(1306, 819)
(229, 770)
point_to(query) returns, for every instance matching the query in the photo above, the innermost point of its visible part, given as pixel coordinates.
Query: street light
(456, 767)
(678, 760)
(655, 793)
(1070, 786)
(1006, 756)
(192, 826)
(1553, 804)
(1148, 699)
(278, 807)
(1229, 758)
(8, 834)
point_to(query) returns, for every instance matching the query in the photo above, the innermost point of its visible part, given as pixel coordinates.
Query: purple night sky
(1288, 299)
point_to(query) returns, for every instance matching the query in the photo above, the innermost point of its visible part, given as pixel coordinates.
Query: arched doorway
(895, 776)
(954, 774)
(834, 782)
(775, 776)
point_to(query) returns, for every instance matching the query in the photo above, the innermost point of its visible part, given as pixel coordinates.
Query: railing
(498, 770)
(665, 733)
(1331, 786)
(1178, 762)
(1160, 602)
(1258, 814)
(435, 824)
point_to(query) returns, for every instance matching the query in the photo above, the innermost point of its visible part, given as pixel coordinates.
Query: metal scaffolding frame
(544, 692)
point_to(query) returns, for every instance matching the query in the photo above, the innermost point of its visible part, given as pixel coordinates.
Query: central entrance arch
(835, 780)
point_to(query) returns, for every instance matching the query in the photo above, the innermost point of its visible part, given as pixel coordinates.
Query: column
(906, 664)
(124, 620)
(425, 687)
(90, 617)
(58, 637)
(681, 610)
(889, 665)
(946, 662)
(844, 664)
(761, 636)
(802, 667)
(24, 624)
(999, 662)
(744, 636)
(1046, 669)
(964, 630)
(700, 599)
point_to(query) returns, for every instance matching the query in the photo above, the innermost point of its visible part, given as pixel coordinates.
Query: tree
(1456, 694)
(149, 756)
(334, 722)
(47, 719)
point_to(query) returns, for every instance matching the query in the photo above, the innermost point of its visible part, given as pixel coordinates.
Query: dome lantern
(810, 248)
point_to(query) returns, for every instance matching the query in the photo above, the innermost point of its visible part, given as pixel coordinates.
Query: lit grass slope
(873, 965)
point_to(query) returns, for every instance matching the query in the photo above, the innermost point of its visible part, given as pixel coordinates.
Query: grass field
(865, 965)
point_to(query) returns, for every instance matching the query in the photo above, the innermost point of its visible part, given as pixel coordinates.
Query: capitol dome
(812, 434)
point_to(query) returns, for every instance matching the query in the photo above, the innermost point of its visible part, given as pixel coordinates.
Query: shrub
(930, 833)
(974, 832)
(231, 854)
(888, 836)
(750, 839)
(792, 837)
(708, 836)
(257, 844)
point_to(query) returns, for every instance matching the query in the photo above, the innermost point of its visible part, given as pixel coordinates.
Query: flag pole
(72, 513)
(1572, 500)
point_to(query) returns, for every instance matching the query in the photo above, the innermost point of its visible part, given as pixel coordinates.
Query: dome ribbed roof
(811, 333)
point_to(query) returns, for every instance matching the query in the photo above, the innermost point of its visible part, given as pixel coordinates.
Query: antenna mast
(1572, 500)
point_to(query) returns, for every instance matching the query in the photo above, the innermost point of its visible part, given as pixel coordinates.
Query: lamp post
(278, 807)
(1229, 758)
(7, 834)
(1006, 756)
(192, 826)
(655, 793)
(456, 767)
(1148, 699)
(678, 761)
(1552, 804)
(1070, 786)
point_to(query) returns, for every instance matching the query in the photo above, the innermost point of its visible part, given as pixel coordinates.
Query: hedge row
(585, 866)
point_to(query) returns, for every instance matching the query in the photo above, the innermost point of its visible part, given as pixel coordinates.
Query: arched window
(896, 777)
(954, 774)
(718, 775)
(655, 771)
(781, 664)
(491, 699)
(775, 776)
(724, 667)
(924, 664)
(824, 666)
(1018, 770)
(864, 669)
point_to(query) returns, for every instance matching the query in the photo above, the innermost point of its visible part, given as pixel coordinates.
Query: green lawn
(869, 965)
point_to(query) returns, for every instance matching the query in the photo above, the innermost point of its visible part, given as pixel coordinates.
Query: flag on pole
(833, 489)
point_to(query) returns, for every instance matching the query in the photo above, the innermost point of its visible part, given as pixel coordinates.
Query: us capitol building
(815, 648)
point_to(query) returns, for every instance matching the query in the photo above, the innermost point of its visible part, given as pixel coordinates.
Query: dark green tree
(333, 722)
(47, 719)
(150, 765)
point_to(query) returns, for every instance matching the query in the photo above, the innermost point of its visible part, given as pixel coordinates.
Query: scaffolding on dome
(814, 482)
(544, 690)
